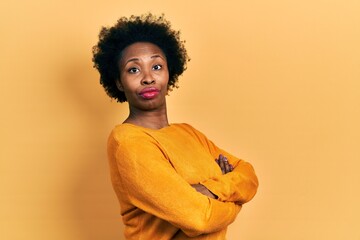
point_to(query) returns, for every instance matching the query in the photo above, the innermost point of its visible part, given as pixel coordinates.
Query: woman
(171, 181)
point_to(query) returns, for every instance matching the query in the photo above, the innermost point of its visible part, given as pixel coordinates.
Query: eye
(157, 67)
(133, 70)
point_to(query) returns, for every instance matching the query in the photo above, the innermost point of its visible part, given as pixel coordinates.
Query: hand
(223, 163)
(203, 190)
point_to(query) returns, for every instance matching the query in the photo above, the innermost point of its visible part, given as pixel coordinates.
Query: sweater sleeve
(152, 184)
(238, 186)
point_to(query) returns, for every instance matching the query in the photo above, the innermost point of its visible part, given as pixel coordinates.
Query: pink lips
(149, 93)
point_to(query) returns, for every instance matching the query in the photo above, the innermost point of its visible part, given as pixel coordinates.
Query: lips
(149, 93)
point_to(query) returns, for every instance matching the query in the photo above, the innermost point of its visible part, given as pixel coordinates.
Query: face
(144, 76)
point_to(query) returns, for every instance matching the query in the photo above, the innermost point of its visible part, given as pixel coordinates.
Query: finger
(222, 163)
(222, 166)
(231, 167)
(227, 166)
(217, 160)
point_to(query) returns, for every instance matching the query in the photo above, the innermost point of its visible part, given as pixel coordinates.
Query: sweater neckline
(149, 129)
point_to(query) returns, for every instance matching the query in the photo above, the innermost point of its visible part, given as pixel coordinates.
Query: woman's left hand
(224, 164)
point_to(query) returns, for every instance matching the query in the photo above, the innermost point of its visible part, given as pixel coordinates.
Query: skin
(143, 65)
(225, 167)
(223, 163)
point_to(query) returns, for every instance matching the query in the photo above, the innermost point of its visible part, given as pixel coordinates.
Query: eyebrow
(156, 56)
(137, 59)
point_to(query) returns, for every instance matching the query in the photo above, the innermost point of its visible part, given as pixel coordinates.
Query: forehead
(141, 49)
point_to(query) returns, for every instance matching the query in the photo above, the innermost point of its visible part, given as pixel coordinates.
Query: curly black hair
(145, 28)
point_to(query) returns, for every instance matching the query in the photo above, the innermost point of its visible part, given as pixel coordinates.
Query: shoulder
(190, 130)
(125, 130)
(127, 133)
(132, 142)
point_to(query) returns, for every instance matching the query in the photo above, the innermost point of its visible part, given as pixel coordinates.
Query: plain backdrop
(276, 83)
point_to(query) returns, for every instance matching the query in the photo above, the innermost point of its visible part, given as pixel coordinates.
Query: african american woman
(171, 181)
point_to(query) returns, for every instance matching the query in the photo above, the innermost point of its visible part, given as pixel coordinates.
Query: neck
(154, 119)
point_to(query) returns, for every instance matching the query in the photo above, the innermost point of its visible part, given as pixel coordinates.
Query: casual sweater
(152, 172)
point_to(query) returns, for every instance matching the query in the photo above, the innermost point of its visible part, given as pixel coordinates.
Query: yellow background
(274, 82)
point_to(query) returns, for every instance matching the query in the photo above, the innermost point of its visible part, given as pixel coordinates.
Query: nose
(148, 78)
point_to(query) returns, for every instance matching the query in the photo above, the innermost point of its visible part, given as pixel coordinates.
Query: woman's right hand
(203, 190)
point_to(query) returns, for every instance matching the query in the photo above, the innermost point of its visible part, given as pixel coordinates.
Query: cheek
(127, 81)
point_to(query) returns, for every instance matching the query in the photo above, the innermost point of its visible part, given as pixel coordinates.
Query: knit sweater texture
(152, 172)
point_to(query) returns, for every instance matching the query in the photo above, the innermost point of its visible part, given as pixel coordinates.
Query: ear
(119, 85)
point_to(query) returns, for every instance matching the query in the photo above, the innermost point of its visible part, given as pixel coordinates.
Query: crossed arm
(225, 167)
(215, 208)
(173, 200)
(237, 183)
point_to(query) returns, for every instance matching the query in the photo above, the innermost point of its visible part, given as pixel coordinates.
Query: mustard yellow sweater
(152, 172)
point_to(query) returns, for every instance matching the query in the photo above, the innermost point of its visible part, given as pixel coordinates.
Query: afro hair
(145, 28)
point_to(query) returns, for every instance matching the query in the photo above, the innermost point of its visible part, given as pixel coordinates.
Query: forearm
(239, 186)
(193, 213)
(156, 188)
